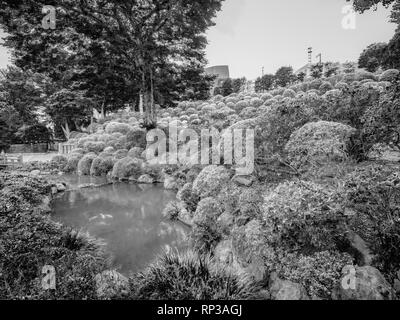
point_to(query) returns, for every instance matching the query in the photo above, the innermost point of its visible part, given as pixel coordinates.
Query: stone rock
(286, 290)
(111, 283)
(245, 181)
(170, 183)
(61, 187)
(146, 179)
(54, 190)
(361, 247)
(363, 283)
(35, 172)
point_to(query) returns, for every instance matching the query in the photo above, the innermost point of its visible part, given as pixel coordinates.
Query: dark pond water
(127, 217)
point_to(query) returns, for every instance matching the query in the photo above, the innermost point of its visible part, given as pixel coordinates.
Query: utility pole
(320, 58)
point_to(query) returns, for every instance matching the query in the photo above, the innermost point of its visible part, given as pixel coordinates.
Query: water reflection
(128, 218)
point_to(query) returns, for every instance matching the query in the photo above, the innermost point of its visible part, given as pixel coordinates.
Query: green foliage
(374, 196)
(190, 198)
(30, 240)
(319, 142)
(189, 277)
(304, 217)
(36, 133)
(210, 181)
(284, 76)
(372, 57)
(101, 166)
(85, 164)
(127, 168)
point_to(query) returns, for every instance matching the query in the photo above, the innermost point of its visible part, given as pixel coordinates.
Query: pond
(127, 217)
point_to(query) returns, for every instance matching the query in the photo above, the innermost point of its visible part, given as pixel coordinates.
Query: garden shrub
(374, 197)
(85, 164)
(314, 84)
(289, 93)
(248, 113)
(241, 105)
(364, 75)
(136, 138)
(127, 168)
(256, 102)
(59, 161)
(120, 154)
(189, 277)
(207, 208)
(78, 151)
(116, 127)
(73, 161)
(325, 87)
(190, 198)
(210, 180)
(317, 143)
(101, 166)
(135, 152)
(94, 146)
(30, 239)
(389, 75)
(304, 217)
(319, 273)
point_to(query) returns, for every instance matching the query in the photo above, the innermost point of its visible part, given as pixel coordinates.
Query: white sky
(250, 34)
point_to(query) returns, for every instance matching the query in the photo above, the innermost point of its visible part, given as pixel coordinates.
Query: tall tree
(143, 34)
(372, 57)
(264, 83)
(284, 76)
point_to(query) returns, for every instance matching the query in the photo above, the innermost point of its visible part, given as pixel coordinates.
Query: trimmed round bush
(289, 93)
(363, 75)
(85, 164)
(127, 168)
(116, 127)
(303, 216)
(136, 138)
(314, 84)
(342, 86)
(210, 181)
(78, 150)
(266, 96)
(389, 75)
(241, 105)
(318, 143)
(256, 102)
(101, 166)
(120, 154)
(109, 150)
(248, 113)
(325, 87)
(72, 162)
(94, 146)
(135, 152)
(59, 161)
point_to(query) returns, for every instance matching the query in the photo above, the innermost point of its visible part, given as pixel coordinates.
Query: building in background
(222, 73)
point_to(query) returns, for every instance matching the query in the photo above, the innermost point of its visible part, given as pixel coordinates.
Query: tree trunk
(150, 117)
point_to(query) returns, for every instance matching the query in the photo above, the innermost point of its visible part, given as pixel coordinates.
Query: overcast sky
(250, 34)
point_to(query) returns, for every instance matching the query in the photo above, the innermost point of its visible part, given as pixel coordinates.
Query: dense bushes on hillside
(29, 240)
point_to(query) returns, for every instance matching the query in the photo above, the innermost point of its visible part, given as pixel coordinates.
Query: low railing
(10, 160)
(66, 148)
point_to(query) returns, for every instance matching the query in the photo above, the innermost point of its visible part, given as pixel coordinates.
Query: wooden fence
(7, 160)
(66, 148)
